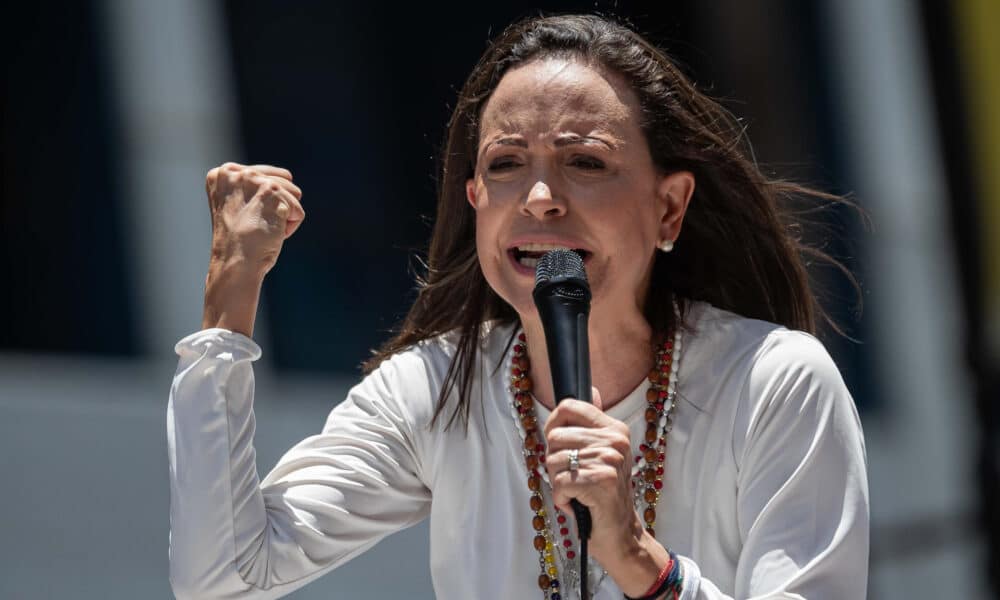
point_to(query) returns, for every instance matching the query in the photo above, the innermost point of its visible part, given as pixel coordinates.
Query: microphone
(562, 297)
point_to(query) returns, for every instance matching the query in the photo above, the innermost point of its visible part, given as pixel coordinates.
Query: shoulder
(790, 392)
(773, 386)
(789, 359)
(758, 359)
(722, 329)
(794, 384)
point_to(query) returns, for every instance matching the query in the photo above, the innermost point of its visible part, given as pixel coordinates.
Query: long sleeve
(802, 492)
(329, 498)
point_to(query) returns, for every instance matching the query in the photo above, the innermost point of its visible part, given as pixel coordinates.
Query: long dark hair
(740, 248)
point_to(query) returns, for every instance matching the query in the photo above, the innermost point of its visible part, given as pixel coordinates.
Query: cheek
(628, 239)
(627, 230)
(487, 247)
(486, 232)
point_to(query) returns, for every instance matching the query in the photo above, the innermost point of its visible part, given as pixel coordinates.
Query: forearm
(232, 293)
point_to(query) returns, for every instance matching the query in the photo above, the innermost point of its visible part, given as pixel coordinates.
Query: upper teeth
(540, 247)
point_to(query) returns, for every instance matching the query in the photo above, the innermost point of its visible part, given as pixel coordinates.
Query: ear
(470, 192)
(674, 193)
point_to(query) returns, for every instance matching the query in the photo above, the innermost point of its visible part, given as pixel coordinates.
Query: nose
(542, 203)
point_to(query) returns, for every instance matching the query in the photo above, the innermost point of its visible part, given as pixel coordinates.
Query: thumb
(596, 395)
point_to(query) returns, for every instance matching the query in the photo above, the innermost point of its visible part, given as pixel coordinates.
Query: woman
(722, 457)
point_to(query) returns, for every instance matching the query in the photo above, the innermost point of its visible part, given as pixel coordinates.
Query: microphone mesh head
(564, 264)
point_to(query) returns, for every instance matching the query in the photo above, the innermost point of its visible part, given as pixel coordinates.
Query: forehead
(556, 93)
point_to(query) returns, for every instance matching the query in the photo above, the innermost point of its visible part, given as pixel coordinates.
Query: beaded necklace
(647, 473)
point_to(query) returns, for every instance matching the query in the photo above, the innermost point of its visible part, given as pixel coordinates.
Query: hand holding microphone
(562, 296)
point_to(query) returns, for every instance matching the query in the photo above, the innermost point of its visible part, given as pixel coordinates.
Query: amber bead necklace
(647, 472)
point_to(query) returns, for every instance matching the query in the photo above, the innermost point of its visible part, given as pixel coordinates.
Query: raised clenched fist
(254, 209)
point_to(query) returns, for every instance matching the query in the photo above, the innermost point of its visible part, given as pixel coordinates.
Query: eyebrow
(509, 141)
(566, 139)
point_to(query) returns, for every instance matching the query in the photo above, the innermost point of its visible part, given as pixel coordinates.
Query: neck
(620, 355)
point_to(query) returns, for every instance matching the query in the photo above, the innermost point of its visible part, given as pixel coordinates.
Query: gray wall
(85, 498)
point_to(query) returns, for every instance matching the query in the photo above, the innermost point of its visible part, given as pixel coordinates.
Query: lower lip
(530, 271)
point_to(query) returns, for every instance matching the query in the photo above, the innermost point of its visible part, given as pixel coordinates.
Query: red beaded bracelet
(664, 573)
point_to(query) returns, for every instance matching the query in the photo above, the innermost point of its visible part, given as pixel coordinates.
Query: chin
(517, 296)
(524, 306)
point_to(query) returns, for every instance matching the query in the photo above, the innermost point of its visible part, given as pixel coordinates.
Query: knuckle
(621, 445)
(555, 438)
(614, 458)
(269, 258)
(606, 478)
(619, 456)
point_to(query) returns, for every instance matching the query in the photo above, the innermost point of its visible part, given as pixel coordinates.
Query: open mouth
(528, 254)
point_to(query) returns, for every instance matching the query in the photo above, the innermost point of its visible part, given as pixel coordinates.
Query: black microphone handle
(568, 362)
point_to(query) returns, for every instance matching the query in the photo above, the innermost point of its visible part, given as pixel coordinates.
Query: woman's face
(562, 162)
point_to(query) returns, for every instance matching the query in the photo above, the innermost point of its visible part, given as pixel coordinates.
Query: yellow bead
(550, 559)
(553, 571)
(548, 547)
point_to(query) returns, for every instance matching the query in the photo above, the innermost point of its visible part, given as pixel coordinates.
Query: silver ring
(574, 459)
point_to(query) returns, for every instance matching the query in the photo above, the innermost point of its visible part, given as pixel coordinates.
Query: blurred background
(113, 111)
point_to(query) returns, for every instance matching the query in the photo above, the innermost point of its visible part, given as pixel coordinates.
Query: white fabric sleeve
(802, 488)
(329, 498)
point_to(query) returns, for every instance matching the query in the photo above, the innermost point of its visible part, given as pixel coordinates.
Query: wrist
(232, 293)
(229, 261)
(639, 566)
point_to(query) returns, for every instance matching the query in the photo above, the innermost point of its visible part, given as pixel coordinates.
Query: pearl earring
(666, 245)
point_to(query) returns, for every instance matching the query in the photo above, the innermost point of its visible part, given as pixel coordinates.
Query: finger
(257, 178)
(295, 211)
(211, 180)
(613, 450)
(561, 501)
(297, 215)
(571, 485)
(567, 509)
(291, 187)
(271, 184)
(598, 402)
(558, 462)
(570, 436)
(576, 412)
(226, 172)
(592, 484)
(276, 204)
(273, 171)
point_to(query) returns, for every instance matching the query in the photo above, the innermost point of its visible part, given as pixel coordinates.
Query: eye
(503, 163)
(588, 163)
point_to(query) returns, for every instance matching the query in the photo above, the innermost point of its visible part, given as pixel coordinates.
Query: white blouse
(765, 492)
